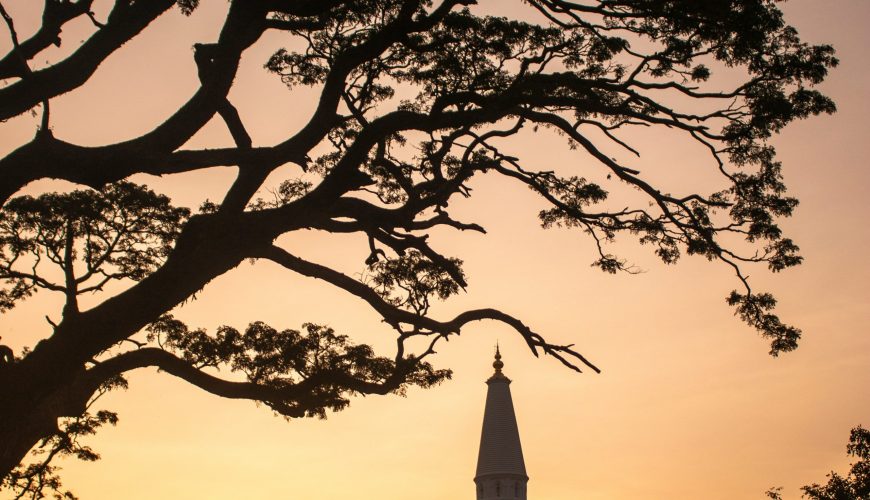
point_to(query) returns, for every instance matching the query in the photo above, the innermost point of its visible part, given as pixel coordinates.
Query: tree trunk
(21, 428)
(32, 401)
(49, 383)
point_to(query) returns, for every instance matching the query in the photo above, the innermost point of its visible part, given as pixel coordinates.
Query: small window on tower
(498, 489)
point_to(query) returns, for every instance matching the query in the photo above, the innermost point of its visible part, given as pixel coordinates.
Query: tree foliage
(416, 99)
(298, 374)
(124, 231)
(854, 486)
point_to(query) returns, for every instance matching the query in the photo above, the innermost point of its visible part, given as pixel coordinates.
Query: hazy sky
(689, 404)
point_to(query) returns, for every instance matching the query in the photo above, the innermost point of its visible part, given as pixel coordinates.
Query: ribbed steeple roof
(500, 449)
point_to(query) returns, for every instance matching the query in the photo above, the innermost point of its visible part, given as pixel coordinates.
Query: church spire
(501, 470)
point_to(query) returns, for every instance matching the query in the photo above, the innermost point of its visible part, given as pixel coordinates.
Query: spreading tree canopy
(415, 99)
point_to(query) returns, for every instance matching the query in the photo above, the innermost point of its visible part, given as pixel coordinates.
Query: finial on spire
(497, 364)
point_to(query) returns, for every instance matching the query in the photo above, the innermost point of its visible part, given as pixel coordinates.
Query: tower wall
(502, 487)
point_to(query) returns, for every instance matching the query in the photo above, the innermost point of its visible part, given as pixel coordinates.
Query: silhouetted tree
(854, 486)
(372, 164)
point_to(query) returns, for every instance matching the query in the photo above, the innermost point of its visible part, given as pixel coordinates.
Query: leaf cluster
(310, 370)
(412, 281)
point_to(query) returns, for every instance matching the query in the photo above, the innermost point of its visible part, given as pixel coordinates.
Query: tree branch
(54, 16)
(124, 23)
(395, 316)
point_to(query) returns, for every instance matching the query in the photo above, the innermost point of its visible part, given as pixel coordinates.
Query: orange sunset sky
(689, 404)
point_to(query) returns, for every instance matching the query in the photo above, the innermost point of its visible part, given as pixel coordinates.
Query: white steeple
(501, 471)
